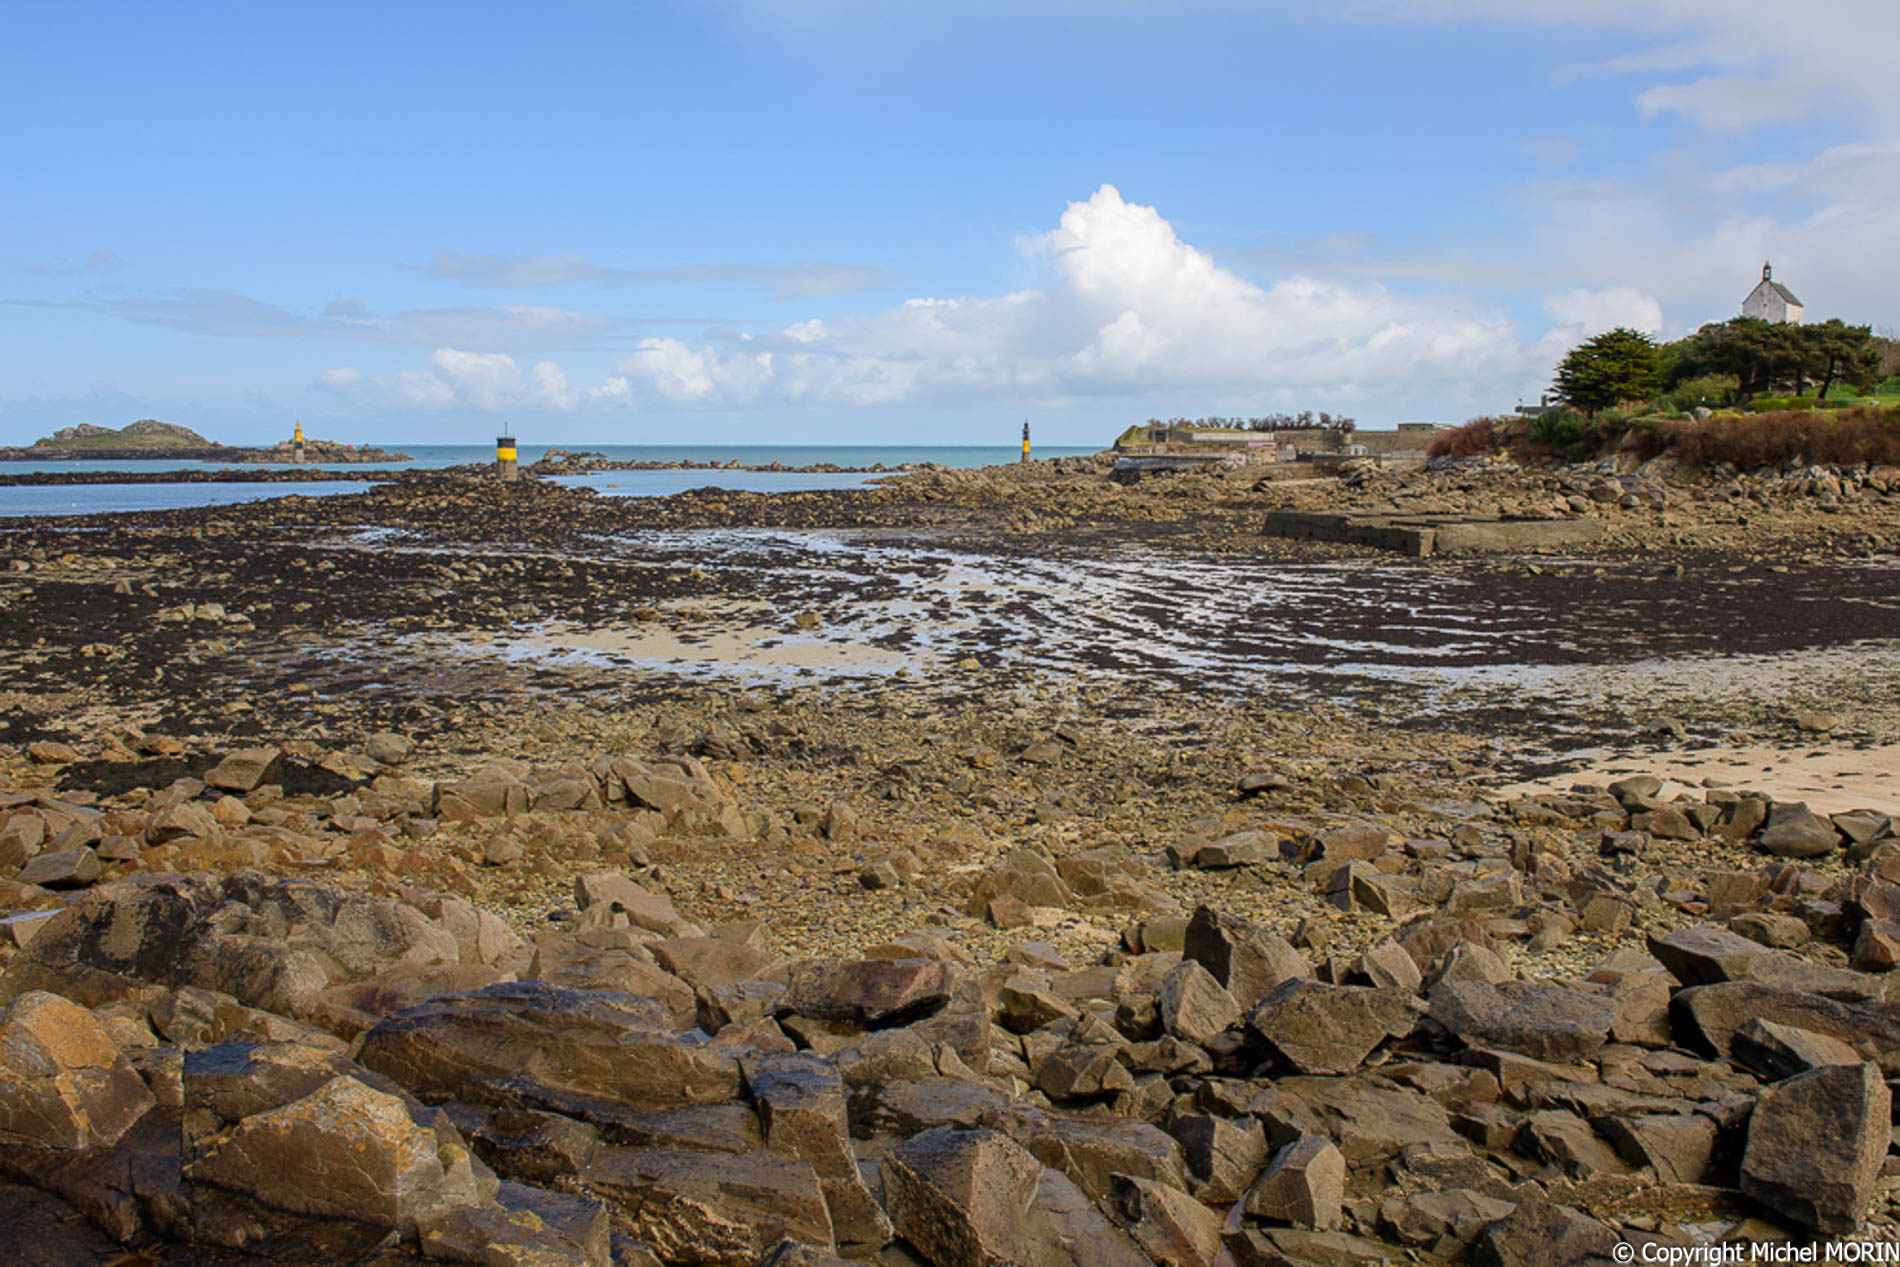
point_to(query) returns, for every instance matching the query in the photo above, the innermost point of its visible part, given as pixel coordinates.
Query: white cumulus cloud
(1127, 306)
(1591, 312)
(486, 382)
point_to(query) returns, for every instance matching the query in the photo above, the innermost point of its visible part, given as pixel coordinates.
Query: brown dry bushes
(1480, 435)
(1841, 437)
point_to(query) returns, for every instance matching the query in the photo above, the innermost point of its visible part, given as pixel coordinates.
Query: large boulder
(1710, 1016)
(978, 1199)
(1331, 1029)
(1539, 1019)
(63, 1082)
(868, 993)
(345, 1151)
(725, 1209)
(610, 960)
(959, 1196)
(245, 769)
(270, 942)
(1709, 956)
(802, 1111)
(1247, 960)
(1705, 954)
(679, 788)
(1167, 1225)
(1816, 1144)
(526, 1226)
(615, 1047)
(1093, 1151)
(1539, 1232)
(1305, 1185)
(73, 868)
(115, 938)
(1372, 1123)
(1195, 1007)
(1795, 831)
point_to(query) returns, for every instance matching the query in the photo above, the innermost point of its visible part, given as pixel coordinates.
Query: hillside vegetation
(146, 433)
(1744, 393)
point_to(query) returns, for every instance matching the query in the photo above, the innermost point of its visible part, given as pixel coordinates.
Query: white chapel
(1771, 301)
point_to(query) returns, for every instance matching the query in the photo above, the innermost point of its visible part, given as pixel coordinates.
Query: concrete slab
(1425, 534)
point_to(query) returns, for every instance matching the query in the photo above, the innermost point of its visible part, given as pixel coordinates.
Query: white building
(1771, 301)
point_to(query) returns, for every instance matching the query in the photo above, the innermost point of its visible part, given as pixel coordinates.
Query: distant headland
(150, 438)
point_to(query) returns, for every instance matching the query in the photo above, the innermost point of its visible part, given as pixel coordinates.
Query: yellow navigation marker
(1025, 439)
(505, 458)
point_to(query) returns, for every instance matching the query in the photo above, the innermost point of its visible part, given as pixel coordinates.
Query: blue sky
(844, 222)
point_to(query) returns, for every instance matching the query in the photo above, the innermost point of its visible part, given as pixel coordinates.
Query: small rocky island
(149, 438)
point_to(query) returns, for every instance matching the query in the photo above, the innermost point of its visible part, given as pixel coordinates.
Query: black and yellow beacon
(505, 458)
(1025, 439)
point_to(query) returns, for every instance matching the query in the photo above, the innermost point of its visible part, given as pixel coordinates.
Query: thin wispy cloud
(1553, 151)
(511, 327)
(94, 264)
(532, 272)
(1738, 64)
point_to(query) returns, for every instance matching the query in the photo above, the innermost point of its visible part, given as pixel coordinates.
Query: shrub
(1843, 437)
(1477, 436)
(1713, 390)
(1779, 404)
(1561, 430)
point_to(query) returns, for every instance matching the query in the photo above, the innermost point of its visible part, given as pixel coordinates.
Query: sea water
(86, 499)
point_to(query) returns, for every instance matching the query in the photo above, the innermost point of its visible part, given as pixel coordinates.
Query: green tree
(1758, 353)
(1621, 365)
(1837, 351)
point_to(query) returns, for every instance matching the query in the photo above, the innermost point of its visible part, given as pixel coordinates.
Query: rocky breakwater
(1577, 1020)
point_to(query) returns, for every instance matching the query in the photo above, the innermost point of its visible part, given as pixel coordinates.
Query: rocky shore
(571, 462)
(288, 475)
(339, 931)
(326, 451)
(314, 451)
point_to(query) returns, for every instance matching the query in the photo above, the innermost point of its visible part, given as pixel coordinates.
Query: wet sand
(1831, 778)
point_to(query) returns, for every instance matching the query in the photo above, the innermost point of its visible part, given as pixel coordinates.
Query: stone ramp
(1426, 534)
